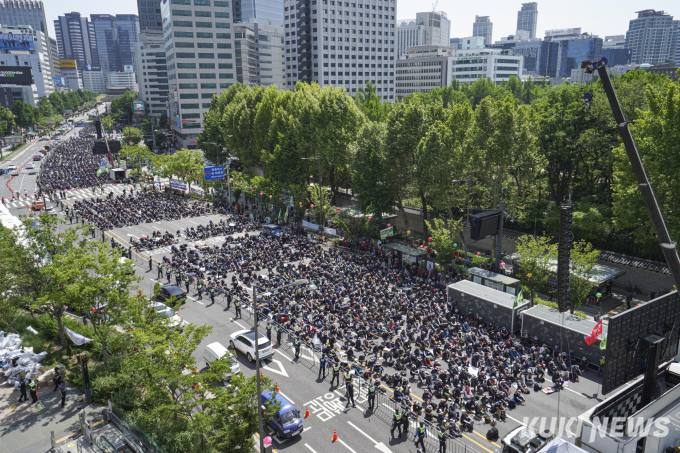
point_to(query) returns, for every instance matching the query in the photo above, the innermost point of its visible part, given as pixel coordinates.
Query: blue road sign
(213, 173)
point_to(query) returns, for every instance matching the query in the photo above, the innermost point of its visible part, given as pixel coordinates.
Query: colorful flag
(603, 343)
(595, 333)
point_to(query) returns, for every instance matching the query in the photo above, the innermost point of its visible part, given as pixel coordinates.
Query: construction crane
(668, 246)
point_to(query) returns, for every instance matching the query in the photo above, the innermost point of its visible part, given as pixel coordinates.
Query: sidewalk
(26, 427)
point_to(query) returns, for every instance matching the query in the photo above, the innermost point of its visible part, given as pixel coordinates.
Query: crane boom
(668, 246)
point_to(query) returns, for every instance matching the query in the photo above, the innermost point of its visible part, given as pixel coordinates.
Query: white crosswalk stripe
(71, 194)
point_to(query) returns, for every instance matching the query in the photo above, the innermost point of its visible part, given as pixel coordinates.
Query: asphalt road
(358, 430)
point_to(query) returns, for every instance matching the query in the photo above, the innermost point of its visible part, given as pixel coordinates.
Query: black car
(171, 291)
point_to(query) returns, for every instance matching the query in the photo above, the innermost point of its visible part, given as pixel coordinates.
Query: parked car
(243, 341)
(14, 173)
(216, 350)
(37, 157)
(171, 291)
(166, 312)
(286, 422)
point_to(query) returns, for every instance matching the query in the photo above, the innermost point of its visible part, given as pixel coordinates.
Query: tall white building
(483, 27)
(24, 46)
(429, 29)
(422, 69)
(94, 80)
(497, 65)
(259, 54)
(652, 37)
(342, 44)
(120, 81)
(152, 72)
(199, 52)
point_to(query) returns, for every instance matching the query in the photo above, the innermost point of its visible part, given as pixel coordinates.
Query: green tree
(185, 164)
(132, 135)
(136, 156)
(7, 123)
(17, 275)
(369, 103)
(583, 260)
(24, 114)
(536, 253)
(121, 107)
(445, 234)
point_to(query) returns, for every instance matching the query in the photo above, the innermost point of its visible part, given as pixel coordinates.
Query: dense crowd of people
(71, 165)
(389, 325)
(143, 206)
(222, 227)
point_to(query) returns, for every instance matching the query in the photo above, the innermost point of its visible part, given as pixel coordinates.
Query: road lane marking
(281, 370)
(306, 429)
(346, 446)
(284, 355)
(310, 448)
(285, 396)
(239, 324)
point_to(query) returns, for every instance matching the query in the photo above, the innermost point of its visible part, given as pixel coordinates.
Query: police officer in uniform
(336, 373)
(322, 367)
(296, 345)
(371, 395)
(349, 393)
(420, 436)
(441, 437)
(237, 308)
(279, 332)
(396, 422)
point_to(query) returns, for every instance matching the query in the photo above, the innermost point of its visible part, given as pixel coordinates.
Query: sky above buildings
(601, 17)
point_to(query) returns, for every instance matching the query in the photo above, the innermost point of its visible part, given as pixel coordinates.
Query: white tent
(559, 445)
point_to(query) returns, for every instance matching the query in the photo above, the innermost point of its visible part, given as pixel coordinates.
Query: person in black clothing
(150, 264)
(349, 393)
(336, 374)
(279, 333)
(396, 422)
(420, 436)
(22, 390)
(322, 367)
(296, 346)
(228, 300)
(237, 309)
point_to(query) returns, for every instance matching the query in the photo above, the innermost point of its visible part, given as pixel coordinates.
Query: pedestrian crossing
(71, 195)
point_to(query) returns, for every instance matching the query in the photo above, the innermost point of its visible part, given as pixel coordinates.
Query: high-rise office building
(75, 39)
(574, 48)
(429, 29)
(540, 57)
(527, 18)
(651, 37)
(259, 53)
(483, 27)
(199, 50)
(344, 44)
(615, 51)
(264, 11)
(104, 54)
(423, 69)
(149, 15)
(23, 12)
(127, 36)
(28, 47)
(152, 72)
(497, 65)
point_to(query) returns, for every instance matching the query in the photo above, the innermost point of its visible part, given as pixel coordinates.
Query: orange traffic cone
(277, 389)
(334, 437)
(306, 412)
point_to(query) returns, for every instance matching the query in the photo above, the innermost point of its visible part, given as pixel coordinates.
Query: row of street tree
(528, 145)
(49, 110)
(53, 277)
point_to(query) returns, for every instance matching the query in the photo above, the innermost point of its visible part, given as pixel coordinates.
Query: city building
(127, 37)
(259, 54)
(24, 12)
(69, 73)
(324, 46)
(75, 39)
(24, 46)
(422, 69)
(152, 73)
(527, 17)
(615, 51)
(428, 29)
(483, 27)
(105, 55)
(574, 47)
(262, 11)
(199, 50)
(496, 65)
(94, 80)
(119, 81)
(651, 37)
(149, 15)
(54, 54)
(540, 57)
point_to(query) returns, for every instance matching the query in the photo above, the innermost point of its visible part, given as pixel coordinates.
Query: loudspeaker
(485, 223)
(98, 128)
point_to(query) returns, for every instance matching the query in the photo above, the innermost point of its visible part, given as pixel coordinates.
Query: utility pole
(260, 421)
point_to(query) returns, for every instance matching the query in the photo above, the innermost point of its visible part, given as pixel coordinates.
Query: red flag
(590, 340)
(595, 333)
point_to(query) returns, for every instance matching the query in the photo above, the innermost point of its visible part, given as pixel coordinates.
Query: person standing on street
(349, 393)
(269, 331)
(33, 389)
(237, 309)
(322, 368)
(371, 395)
(420, 437)
(228, 301)
(441, 437)
(22, 390)
(62, 393)
(160, 271)
(150, 264)
(279, 333)
(296, 345)
(396, 423)
(57, 379)
(336, 373)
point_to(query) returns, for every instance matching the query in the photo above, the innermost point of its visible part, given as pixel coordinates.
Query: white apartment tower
(199, 52)
(429, 29)
(259, 53)
(341, 43)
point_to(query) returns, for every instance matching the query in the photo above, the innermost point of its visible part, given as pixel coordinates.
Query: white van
(216, 351)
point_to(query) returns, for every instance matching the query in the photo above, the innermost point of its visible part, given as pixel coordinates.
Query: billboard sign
(138, 106)
(67, 64)
(213, 173)
(16, 75)
(178, 185)
(16, 41)
(387, 233)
